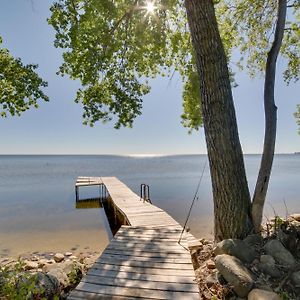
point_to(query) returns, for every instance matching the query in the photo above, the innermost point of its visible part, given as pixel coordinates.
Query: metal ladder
(145, 193)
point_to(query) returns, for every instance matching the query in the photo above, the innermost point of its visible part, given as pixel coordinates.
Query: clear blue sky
(56, 127)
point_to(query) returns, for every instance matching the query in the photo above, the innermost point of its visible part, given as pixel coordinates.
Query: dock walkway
(144, 259)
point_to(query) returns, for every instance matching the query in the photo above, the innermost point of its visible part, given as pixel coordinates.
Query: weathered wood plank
(141, 253)
(142, 284)
(154, 271)
(162, 259)
(135, 292)
(147, 277)
(76, 295)
(143, 264)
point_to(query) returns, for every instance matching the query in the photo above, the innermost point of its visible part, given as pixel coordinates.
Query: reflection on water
(37, 195)
(89, 203)
(101, 204)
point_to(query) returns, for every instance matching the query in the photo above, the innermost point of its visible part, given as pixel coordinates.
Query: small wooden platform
(144, 259)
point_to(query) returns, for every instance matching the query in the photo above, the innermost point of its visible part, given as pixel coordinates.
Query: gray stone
(61, 276)
(58, 257)
(48, 267)
(257, 294)
(281, 255)
(30, 265)
(211, 279)
(267, 259)
(253, 239)
(237, 248)
(49, 284)
(69, 266)
(267, 266)
(235, 273)
(68, 254)
(296, 279)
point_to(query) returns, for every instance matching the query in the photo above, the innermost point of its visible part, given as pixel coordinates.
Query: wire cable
(192, 204)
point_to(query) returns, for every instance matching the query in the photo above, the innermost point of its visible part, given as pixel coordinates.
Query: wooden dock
(144, 259)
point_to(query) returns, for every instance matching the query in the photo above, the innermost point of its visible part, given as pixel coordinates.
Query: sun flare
(150, 7)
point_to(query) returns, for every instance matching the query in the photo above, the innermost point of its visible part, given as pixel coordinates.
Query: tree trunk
(232, 205)
(263, 178)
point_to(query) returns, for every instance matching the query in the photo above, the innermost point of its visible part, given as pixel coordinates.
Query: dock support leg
(76, 193)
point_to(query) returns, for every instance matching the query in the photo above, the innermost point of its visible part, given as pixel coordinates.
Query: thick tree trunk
(263, 178)
(232, 205)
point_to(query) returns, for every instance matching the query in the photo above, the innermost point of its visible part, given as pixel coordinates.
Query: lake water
(37, 198)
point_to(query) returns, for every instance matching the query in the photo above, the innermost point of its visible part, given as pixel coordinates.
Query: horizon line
(126, 155)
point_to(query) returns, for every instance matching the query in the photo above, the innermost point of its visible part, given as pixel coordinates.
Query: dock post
(76, 193)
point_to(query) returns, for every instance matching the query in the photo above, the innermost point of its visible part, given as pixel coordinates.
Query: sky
(56, 127)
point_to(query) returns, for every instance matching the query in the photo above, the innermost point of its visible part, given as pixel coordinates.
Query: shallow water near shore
(37, 198)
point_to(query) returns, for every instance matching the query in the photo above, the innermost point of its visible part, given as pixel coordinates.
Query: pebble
(50, 261)
(30, 265)
(68, 254)
(58, 257)
(210, 264)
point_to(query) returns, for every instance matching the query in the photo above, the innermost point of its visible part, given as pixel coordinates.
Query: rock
(296, 279)
(49, 284)
(58, 257)
(68, 254)
(267, 266)
(34, 258)
(237, 248)
(50, 261)
(210, 264)
(295, 217)
(281, 255)
(295, 224)
(195, 244)
(61, 276)
(267, 259)
(253, 239)
(257, 294)
(42, 262)
(69, 266)
(30, 265)
(211, 280)
(73, 257)
(48, 267)
(235, 273)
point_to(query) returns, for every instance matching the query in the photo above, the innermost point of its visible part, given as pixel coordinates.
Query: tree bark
(263, 178)
(232, 205)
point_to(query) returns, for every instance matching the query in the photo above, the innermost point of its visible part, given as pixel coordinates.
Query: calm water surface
(37, 199)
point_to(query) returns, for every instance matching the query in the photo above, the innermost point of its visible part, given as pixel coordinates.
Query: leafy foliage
(17, 284)
(249, 26)
(20, 85)
(114, 46)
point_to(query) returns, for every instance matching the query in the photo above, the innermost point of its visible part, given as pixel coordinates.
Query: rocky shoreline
(54, 274)
(261, 267)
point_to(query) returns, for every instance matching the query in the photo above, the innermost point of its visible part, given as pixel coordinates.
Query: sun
(150, 7)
